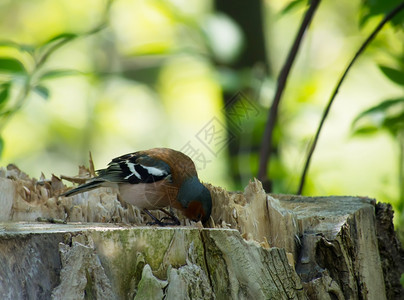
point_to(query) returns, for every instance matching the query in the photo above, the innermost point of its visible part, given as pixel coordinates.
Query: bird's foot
(171, 217)
(174, 220)
(161, 223)
(156, 221)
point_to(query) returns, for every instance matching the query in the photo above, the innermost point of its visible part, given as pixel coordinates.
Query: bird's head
(195, 199)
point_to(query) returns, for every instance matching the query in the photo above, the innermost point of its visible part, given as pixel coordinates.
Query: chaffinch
(154, 179)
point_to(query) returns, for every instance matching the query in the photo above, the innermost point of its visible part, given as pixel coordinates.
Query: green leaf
(292, 6)
(365, 130)
(373, 8)
(394, 75)
(381, 107)
(11, 65)
(4, 92)
(42, 91)
(66, 36)
(395, 123)
(21, 47)
(387, 115)
(59, 73)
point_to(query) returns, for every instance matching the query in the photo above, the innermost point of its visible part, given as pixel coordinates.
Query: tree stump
(256, 246)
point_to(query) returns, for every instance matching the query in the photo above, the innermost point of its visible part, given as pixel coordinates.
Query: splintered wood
(331, 242)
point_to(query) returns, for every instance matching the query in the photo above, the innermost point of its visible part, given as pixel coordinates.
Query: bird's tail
(84, 187)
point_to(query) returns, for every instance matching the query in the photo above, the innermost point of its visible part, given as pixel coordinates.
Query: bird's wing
(137, 167)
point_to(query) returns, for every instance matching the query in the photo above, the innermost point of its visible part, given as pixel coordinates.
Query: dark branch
(266, 147)
(387, 18)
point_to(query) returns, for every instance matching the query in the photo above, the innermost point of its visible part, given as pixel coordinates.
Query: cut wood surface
(258, 246)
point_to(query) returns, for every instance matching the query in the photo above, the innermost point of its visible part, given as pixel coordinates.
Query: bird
(154, 179)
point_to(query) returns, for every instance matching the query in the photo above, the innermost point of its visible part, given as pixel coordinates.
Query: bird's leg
(171, 217)
(155, 220)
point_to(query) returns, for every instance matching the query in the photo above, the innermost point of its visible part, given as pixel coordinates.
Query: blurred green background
(113, 77)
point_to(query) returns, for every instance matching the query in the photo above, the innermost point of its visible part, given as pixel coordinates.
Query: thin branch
(387, 18)
(41, 61)
(266, 147)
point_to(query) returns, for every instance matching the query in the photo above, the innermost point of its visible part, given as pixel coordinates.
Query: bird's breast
(153, 195)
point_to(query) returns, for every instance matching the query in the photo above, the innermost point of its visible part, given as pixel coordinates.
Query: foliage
(26, 72)
(374, 8)
(388, 115)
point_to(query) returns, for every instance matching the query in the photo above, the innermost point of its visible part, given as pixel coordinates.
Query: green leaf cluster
(26, 71)
(374, 8)
(388, 115)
